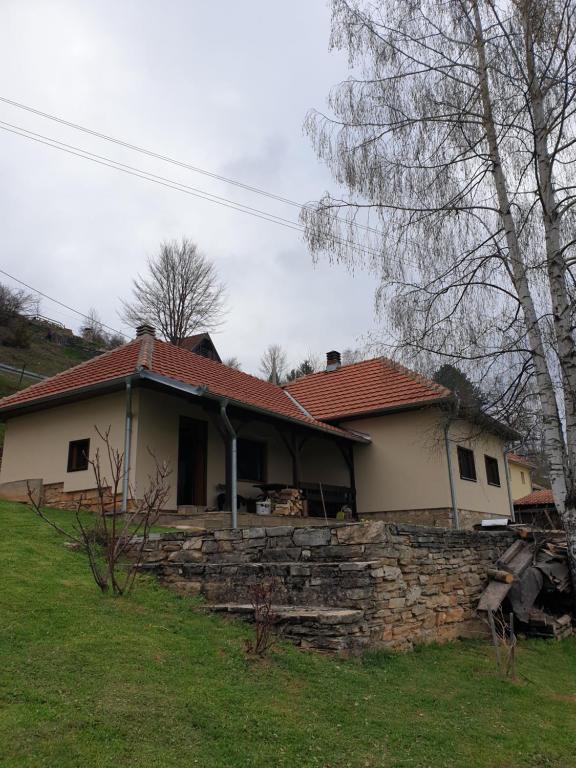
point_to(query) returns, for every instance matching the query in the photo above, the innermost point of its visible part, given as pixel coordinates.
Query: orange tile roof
(361, 388)
(164, 359)
(515, 458)
(536, 497)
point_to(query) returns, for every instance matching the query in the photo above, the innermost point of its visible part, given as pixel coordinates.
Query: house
(373, 436)
(424, 464)
(520, 470)
(537, 508)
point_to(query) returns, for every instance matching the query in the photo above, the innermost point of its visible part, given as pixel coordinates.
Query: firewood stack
(533, 577)
(288, 502)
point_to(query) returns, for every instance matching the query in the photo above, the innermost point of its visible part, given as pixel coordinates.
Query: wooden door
(192, 462)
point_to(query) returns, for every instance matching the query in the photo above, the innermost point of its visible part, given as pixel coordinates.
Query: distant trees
(233, 362)
(180, 295)
(306, 367)
(273, 364)
(14, 303)
(94, 332)
(471, 399)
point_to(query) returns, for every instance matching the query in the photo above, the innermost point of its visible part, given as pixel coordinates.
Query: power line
(170, 183)
(60, 303)
(174, 161)
(147, 175)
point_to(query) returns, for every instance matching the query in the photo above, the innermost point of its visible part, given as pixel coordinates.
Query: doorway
(192, 450)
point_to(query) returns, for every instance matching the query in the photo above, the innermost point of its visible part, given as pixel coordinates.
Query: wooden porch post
(348, 454)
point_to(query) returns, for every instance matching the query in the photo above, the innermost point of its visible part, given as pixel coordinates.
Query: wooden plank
(492, 597)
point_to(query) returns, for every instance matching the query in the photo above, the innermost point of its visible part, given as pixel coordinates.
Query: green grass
(150, 680)
(41, 356)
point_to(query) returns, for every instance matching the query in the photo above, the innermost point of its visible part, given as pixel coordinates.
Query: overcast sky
(223, 86)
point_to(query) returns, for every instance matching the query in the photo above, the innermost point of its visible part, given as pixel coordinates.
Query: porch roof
(150, 360)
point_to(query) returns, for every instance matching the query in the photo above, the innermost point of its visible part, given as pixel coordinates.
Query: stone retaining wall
(412, 584)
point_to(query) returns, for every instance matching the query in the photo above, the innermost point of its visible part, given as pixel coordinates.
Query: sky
(222, 86)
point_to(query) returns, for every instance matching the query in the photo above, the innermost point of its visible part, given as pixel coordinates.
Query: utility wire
(170, 183)
(60, 303)
(174, 161)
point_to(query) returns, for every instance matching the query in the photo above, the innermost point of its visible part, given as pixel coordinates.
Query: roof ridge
(146, 352)
(223, 365)
(440, 388)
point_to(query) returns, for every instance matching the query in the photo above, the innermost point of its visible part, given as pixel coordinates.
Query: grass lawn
(150, 680)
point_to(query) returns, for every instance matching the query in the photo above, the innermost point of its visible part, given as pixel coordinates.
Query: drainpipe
(233, 471)
(455, 515)
(127, 445)
(508, 484)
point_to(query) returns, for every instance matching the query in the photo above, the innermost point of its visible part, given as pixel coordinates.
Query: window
(523, 478)
(251, 460)
(78, 451)
(492, 471)
(466, 464)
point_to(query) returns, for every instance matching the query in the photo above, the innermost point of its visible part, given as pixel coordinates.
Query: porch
(225, 457)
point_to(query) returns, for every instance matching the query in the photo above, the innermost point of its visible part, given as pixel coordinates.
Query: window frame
(461, 451)
(75, 452)
(487, 459)
(263, 447)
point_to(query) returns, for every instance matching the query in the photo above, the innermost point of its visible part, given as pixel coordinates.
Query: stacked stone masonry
(405, 584)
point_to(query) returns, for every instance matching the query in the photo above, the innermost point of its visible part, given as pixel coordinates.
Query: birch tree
(453, 147)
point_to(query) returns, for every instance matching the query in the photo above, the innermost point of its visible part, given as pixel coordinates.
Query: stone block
(311, 537)
(253, 533)
(195, 543)
(279, 530)
(362, 533)
(227, 534)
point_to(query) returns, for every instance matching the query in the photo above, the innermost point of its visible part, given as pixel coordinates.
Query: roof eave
(112, 385)
(78, 393)
(440, 400)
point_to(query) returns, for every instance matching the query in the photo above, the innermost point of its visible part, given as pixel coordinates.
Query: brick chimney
(145, 330)
(333, 360)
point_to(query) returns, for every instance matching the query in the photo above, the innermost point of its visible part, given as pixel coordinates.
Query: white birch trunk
(556, 449)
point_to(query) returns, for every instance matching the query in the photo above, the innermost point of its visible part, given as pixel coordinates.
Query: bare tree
(274, 363)
(181, 294)
(233, 362)
(108, 534)
(455, 142)
(350, 355)
(14, 302)
(93, 331)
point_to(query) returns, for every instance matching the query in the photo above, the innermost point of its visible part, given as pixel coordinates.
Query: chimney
(332, 360)
(145, 330)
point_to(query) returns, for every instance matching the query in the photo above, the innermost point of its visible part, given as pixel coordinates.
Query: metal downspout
(127, 445)
(508, 484)
(455, 514)
(233, 470)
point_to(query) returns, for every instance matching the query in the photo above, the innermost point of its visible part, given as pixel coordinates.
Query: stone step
(348, 585)
(310, 626)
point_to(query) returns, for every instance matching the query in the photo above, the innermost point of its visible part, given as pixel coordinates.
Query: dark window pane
(251, 460)
(466, 463)
(492, 471)
(78, 451)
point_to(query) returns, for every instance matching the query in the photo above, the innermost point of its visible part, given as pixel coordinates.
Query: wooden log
(497, 575)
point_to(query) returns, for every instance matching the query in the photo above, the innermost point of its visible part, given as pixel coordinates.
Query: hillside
(48, 350)
(151, 680)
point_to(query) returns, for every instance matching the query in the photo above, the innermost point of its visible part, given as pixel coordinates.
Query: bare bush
(261, 597)
(108, 534)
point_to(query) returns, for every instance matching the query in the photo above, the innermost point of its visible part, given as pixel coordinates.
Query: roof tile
(360, 388)
(165, 359)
